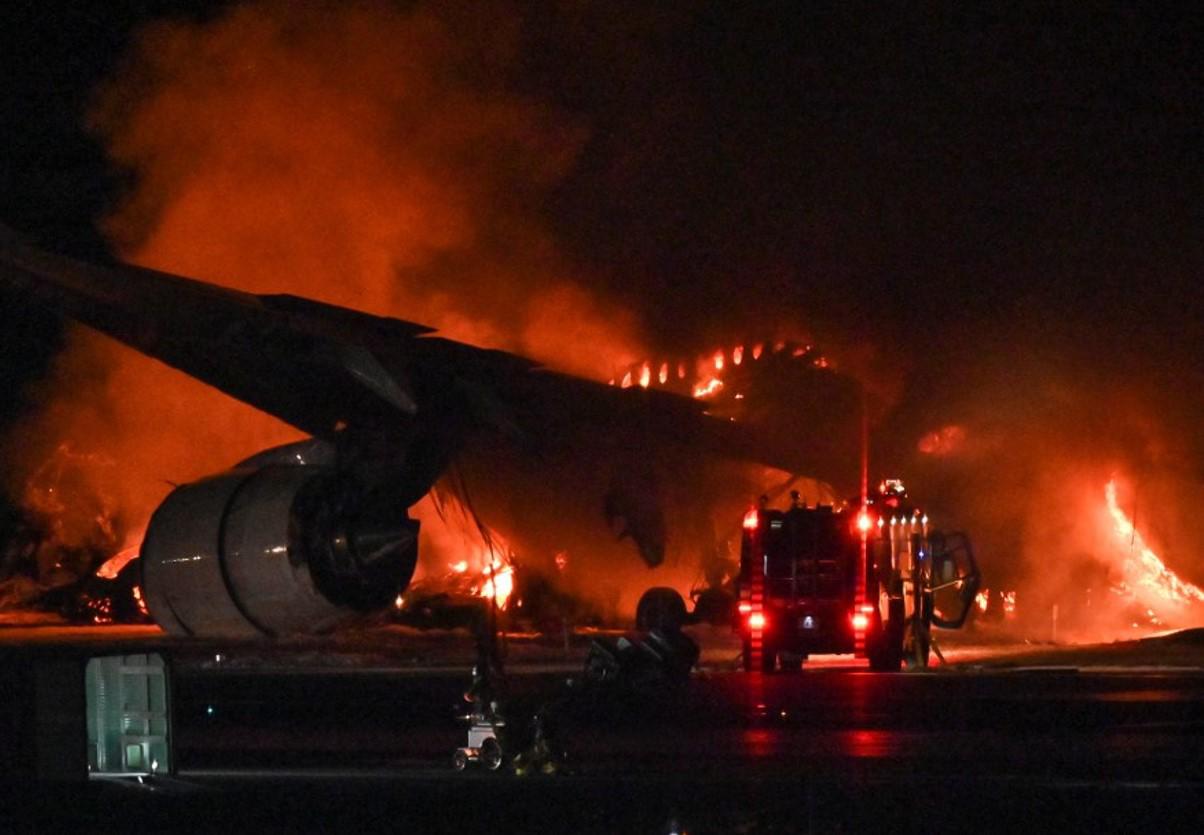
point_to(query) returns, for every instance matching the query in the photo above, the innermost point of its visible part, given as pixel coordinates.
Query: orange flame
(707, 387)
(111, 567)
(1142, 565)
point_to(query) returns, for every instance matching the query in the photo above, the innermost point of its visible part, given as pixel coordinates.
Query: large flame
(1146, 576)
(354, 153)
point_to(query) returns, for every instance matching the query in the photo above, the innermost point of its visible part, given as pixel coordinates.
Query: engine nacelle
(275, 546)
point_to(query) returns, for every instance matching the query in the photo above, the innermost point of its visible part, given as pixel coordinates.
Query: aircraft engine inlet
(282, 544)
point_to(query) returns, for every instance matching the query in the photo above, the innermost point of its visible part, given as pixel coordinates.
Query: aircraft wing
(315, 366)
(322, 368)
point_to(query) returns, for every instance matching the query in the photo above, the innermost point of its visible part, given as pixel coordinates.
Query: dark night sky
(937, 184)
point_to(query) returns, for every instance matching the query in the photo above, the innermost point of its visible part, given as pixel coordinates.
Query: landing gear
(660, 608)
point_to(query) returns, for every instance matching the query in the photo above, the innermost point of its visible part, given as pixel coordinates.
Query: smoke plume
(356, 153)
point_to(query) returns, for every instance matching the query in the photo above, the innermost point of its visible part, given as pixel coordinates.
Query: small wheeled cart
(483, 746)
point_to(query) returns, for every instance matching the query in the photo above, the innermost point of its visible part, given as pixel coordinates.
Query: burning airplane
(294, 538)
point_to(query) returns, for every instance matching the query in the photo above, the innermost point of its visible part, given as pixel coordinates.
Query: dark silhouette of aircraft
(298, 536)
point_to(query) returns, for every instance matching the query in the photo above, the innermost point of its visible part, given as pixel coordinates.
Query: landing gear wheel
(768, 656)
(660, 608)
(491, 754)
(460, 759)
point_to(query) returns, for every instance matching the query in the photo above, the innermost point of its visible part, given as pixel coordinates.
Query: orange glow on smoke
(394, 172)
(948, 440)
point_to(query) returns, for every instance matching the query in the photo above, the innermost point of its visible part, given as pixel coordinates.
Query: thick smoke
(1022, 437)
(355, 153)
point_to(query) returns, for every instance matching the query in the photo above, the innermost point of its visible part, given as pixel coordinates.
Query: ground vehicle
(871, 582)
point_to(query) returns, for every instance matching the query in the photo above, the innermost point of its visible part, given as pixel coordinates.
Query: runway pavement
(1036, 738)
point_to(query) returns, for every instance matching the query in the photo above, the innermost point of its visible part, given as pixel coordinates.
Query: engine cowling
(276, 546)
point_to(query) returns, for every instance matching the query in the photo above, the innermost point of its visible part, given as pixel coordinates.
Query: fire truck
(871, 580)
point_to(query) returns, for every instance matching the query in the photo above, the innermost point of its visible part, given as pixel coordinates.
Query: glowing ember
(681, 371)
(663, 375)
(738, 355)
(626, 380)
(718, 360)
(1142, 566)
(459, 567)
(983, 600)
(757, 350)
(140, 601)
(1008, 598)
(645, 376)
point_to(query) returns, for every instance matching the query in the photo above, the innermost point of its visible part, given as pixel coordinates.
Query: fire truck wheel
(791, 662)
(491, 754)
(660, 608)
(768, 656)
(460, 759)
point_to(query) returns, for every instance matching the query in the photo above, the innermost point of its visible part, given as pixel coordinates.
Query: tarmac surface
(1004, 738)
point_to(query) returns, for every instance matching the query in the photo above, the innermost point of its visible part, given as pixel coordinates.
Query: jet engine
(283, 543)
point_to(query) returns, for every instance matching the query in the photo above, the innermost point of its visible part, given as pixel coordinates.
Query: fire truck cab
(820, 580)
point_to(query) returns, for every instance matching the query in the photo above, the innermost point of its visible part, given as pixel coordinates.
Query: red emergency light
(864, 522)
(861, 617)
(756, 620)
